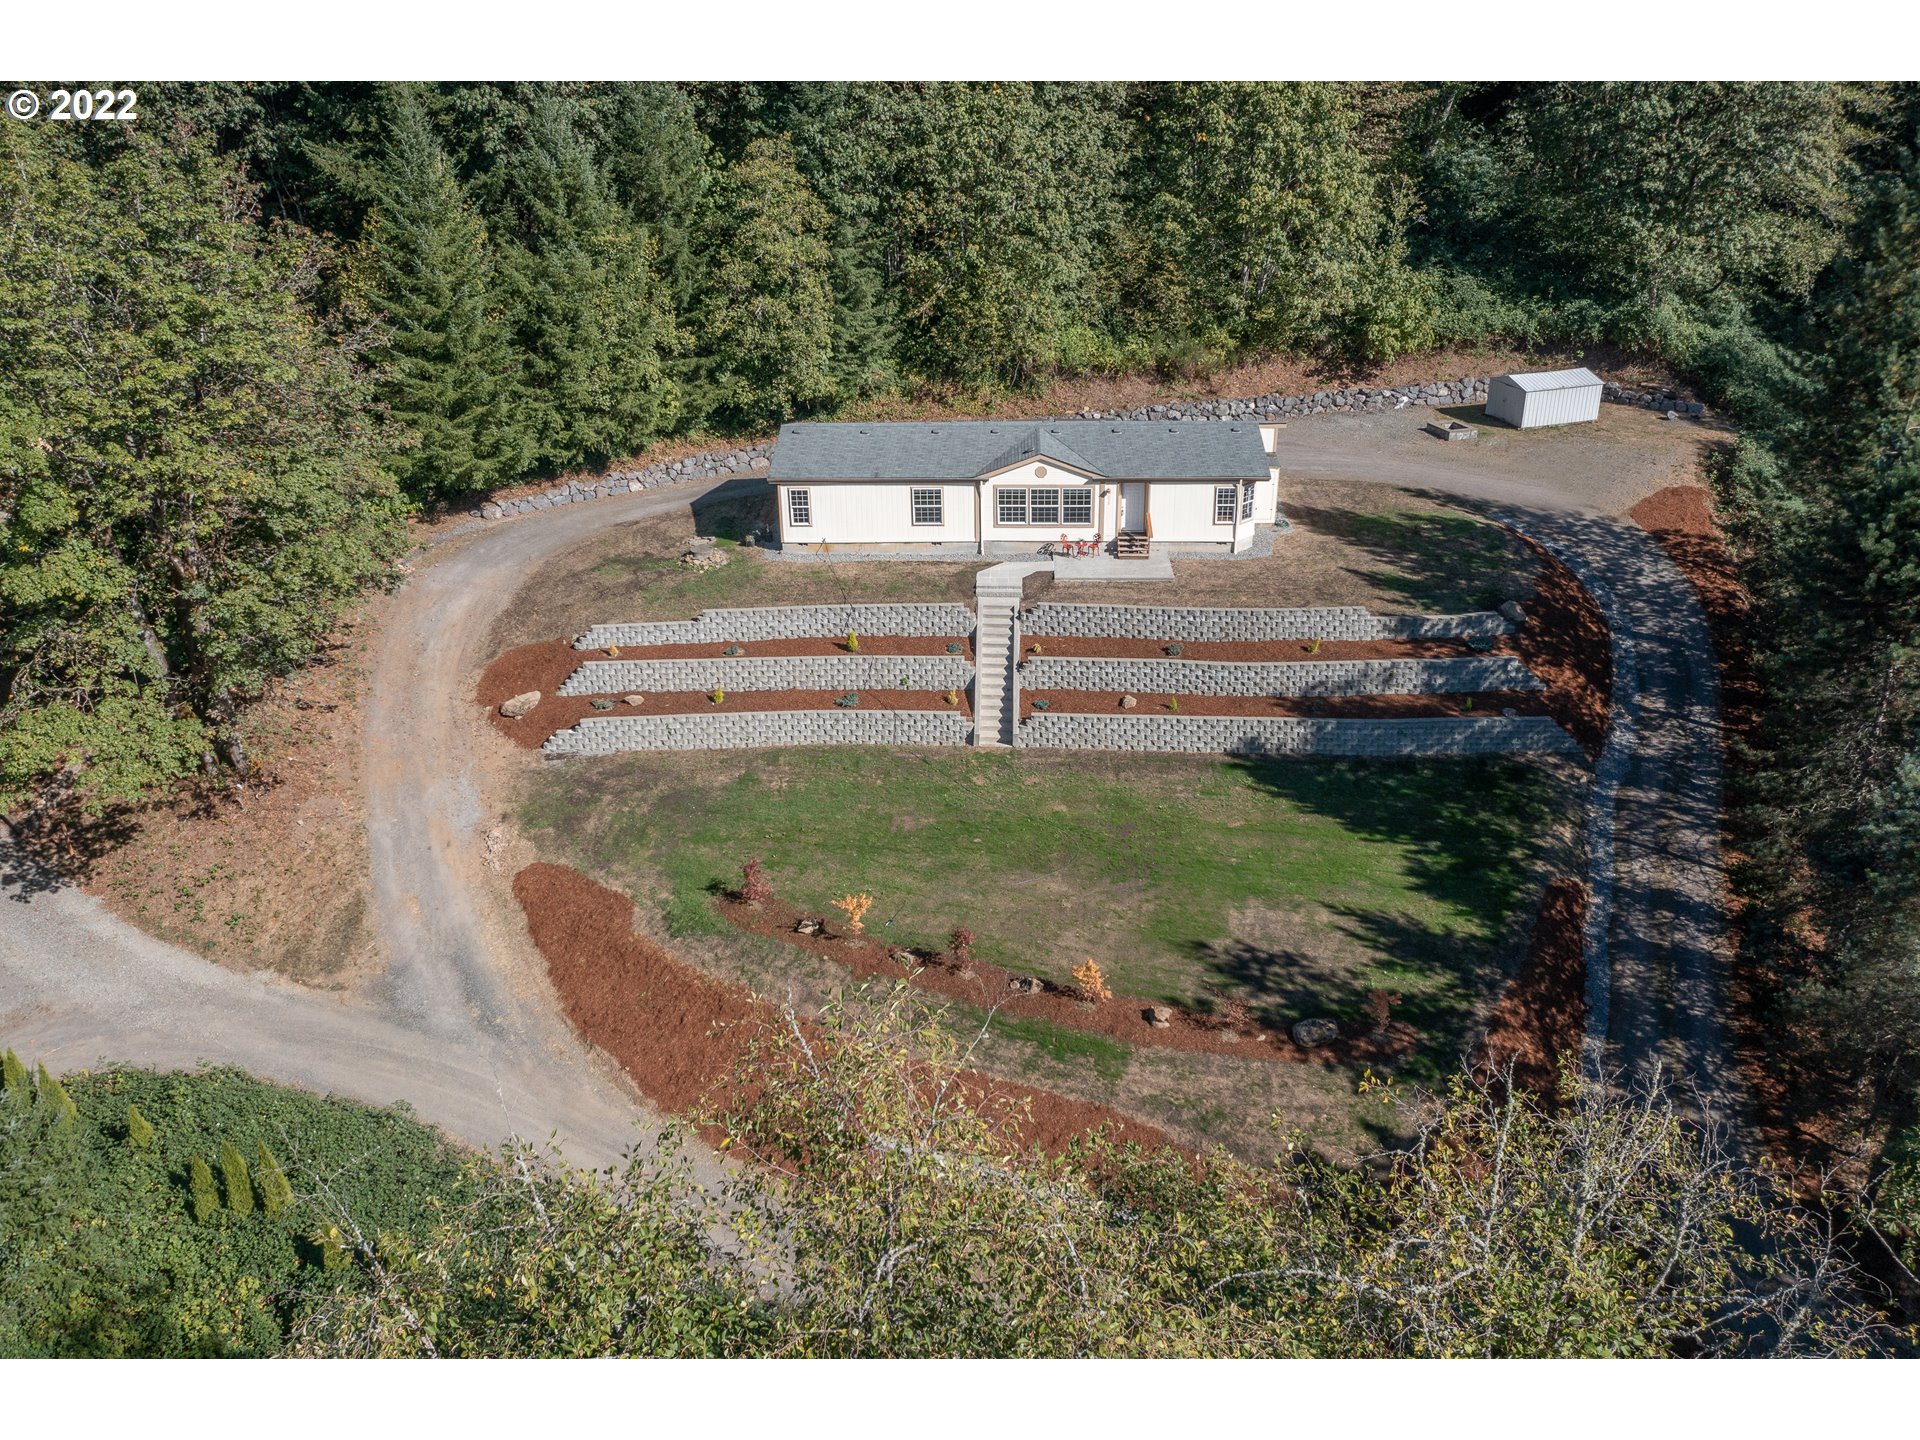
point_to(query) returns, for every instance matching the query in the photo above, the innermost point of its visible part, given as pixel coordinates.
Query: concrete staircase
(997, 604)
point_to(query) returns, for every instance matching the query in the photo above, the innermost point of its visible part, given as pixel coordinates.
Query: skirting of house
(773, 672)
(747, 730)
(1341, 622)
(1303, 677)
(1231, 735)
(785, 622)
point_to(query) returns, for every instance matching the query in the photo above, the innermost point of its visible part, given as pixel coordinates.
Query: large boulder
(519, 705)
(1512, 611)
(1311, 1033)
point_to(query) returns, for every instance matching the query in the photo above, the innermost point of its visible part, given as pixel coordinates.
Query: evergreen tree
(275, 1192)
(202, 1194)
(658, 168)
(188, 495)
(14, 1082)
(766, 334)
(139, 1131)
(591, 322)
(426, 268)
(53, 1098)
(235, 1181)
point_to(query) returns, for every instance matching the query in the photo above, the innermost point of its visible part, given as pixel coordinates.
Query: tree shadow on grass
(1444, 559)
(1466, 829)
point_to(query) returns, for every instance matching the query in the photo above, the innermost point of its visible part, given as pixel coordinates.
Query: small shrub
(855, 908)
(733, 650)
(1466, 706)
(235, 1180)
(905, 683)
(613, 651)
(333, 1248)
(960, 945)
(848, 700)
(853, 641)
(1313, 646)
(203, 1197)
(954, 647)
(1173, 702)
(754, 889)
(139, 1130)
(1173, 648)
(1033, 649)
(14, 1083)
(275, 1192)
(718, 697)
(1092, 982)
(953, 697)
(601, 704)
(53, 1096)
(1042, 703)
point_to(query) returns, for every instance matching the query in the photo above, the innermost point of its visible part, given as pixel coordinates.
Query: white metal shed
(1545, 397)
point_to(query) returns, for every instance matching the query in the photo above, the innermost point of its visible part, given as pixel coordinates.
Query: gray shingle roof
(966, 449)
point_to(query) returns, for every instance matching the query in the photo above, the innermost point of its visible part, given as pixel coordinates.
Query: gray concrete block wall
(1301, 677)
(1232, 735)
(743, 730)
(1334, 622)
(786, 622)
(773, 672)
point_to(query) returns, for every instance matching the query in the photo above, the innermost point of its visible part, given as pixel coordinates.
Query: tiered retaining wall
(773, 672)
(1336, 622)
(1232, 735)
(1302, 677)
(745, 730)
(785, 622)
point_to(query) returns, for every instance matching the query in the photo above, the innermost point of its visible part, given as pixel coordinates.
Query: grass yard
(1295, 887)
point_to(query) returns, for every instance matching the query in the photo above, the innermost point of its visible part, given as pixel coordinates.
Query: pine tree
(139, 1131)
(235, 1180)
(53, 1097)
(426, 267)
(275, 1192)
(766, 332)
(658, 168)
(591, 321)
(14, 1082)
(202, 1194)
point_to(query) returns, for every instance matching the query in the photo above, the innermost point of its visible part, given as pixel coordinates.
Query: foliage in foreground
(889, 1209)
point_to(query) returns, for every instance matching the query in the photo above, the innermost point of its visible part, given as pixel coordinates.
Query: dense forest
(244, 339)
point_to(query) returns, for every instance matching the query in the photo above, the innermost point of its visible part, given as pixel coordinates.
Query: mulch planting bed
(769, 649)
(1242, 651)
(679, 1033)
(545, 667)
(1565, 641)
(1335, 707)
(1124, 1017)
(1540, 1021)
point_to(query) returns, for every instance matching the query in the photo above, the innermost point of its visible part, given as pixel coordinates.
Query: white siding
(1183, 512)
(1106, 500)
(1529, 409)
(865, 513)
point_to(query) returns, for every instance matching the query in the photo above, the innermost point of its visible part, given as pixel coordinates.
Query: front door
(1133, 507)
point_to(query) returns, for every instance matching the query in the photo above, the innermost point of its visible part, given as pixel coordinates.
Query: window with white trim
(1225, 498)
(799, 507)
(927, 507)
(1019, 505)
(1246, 501)
(1013, 507)
(1076, 506)
(1043, 507)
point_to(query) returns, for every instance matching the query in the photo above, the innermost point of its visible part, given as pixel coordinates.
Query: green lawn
(1296, 885)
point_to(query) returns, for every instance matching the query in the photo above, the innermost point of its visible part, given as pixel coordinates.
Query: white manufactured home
(993, 487)
(1544, 397)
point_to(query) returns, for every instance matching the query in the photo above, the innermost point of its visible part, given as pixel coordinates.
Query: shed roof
(968, 449)
(1576, 379)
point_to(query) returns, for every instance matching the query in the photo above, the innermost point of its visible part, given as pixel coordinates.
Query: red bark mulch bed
(545, 666)
(1242, 651)
(768, 649)
(1565, 641)
(678, 1033)
(1332, 707)
(1124, 1016)
(1541, 1019)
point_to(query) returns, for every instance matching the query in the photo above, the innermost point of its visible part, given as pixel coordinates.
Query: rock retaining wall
(745, 730)
(1302, 677)
(724, 464)
(1232, 735)
(773, 672)
(1339, 622)
(785, 622)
